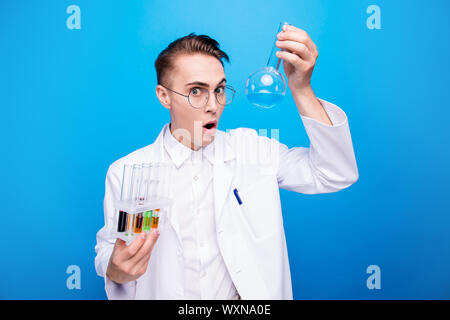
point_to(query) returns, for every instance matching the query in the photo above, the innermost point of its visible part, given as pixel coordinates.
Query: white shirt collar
(179, 153)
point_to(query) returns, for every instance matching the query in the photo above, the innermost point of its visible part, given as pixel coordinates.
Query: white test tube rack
(152, 190)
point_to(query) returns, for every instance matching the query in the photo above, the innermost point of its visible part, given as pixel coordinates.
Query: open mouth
(210, 125)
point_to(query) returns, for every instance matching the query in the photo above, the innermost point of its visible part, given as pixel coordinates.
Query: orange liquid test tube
(155, 219)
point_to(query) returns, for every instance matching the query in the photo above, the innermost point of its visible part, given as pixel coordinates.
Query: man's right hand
(127, 263)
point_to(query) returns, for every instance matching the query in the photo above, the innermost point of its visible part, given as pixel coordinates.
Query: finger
(119, 247)
(294, 34)
(120, 244)
(146, 248)
(292, 59)
(134, 247)
(297, 48)
(291, 27)
(141, 266)
(303, 34)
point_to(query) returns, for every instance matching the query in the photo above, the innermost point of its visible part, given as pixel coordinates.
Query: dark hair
(191, 43)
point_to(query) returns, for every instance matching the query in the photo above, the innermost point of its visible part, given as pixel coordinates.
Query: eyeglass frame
(187, 96)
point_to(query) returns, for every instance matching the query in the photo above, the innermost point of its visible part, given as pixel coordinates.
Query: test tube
(155, 183)
(145, 181)
(122, 223)
(139, 220)
(136, 177)
(124, 195)
(142, 196)
(151, 194)
(147, 220)
(132, 224)
(125, 192)
(128, 230)
(274, 61)
(155, 219)
(134, 193)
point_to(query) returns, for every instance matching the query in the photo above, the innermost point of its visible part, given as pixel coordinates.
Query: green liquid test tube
(147, 220)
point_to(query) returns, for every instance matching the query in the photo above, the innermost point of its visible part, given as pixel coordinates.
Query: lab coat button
(195, 178)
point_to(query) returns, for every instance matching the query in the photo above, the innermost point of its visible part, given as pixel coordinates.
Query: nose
(212, 104)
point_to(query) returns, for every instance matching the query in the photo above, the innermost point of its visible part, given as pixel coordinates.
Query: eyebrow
(199, 83)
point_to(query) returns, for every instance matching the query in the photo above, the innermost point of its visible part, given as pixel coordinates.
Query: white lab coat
(250, 236)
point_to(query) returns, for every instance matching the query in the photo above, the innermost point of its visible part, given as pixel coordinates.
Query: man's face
(192, 72)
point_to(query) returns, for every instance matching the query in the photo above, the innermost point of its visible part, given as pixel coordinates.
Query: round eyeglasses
(198, 97)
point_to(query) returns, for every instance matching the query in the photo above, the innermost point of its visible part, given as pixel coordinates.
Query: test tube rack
(144, 202)
(133, 219)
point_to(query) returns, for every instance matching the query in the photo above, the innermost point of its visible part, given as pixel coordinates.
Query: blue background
(73, 101)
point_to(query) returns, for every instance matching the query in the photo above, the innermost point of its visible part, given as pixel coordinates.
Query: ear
(163, 96)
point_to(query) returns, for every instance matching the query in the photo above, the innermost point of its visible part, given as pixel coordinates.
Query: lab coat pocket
(260, 208)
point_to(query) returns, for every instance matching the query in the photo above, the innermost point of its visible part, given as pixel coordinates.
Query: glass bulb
(266, 87)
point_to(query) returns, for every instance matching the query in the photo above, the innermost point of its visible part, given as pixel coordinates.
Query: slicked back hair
(189, 44)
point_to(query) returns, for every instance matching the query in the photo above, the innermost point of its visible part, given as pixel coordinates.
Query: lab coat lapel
(223, 173)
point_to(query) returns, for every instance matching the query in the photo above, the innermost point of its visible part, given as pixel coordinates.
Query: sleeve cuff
(336, 114)
(115, 291)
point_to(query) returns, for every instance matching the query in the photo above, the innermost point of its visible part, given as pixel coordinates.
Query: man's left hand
(299, 58)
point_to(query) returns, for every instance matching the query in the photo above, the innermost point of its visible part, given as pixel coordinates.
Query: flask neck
(274, 61)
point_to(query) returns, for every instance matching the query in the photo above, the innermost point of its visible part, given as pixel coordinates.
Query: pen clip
(236, 194)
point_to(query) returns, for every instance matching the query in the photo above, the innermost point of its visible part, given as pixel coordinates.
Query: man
(225, 238)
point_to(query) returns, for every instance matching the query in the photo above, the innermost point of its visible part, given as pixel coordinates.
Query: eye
(220, 90)
(196, 91)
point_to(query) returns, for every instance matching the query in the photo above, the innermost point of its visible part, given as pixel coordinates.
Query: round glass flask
(266, 87)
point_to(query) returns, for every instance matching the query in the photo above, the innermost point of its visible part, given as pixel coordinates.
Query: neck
(182, 139)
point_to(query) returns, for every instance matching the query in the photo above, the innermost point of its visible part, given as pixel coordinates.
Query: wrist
(308, 105)
(306, 101)
(303, 94)
(111, 274)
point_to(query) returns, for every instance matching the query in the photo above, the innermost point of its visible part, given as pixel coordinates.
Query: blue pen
(235, 191)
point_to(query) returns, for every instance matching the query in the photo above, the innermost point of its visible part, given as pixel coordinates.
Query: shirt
(205, 272)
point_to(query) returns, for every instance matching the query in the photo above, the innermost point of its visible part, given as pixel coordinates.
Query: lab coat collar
(179, 153)
(223, 152)
(219, 150)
